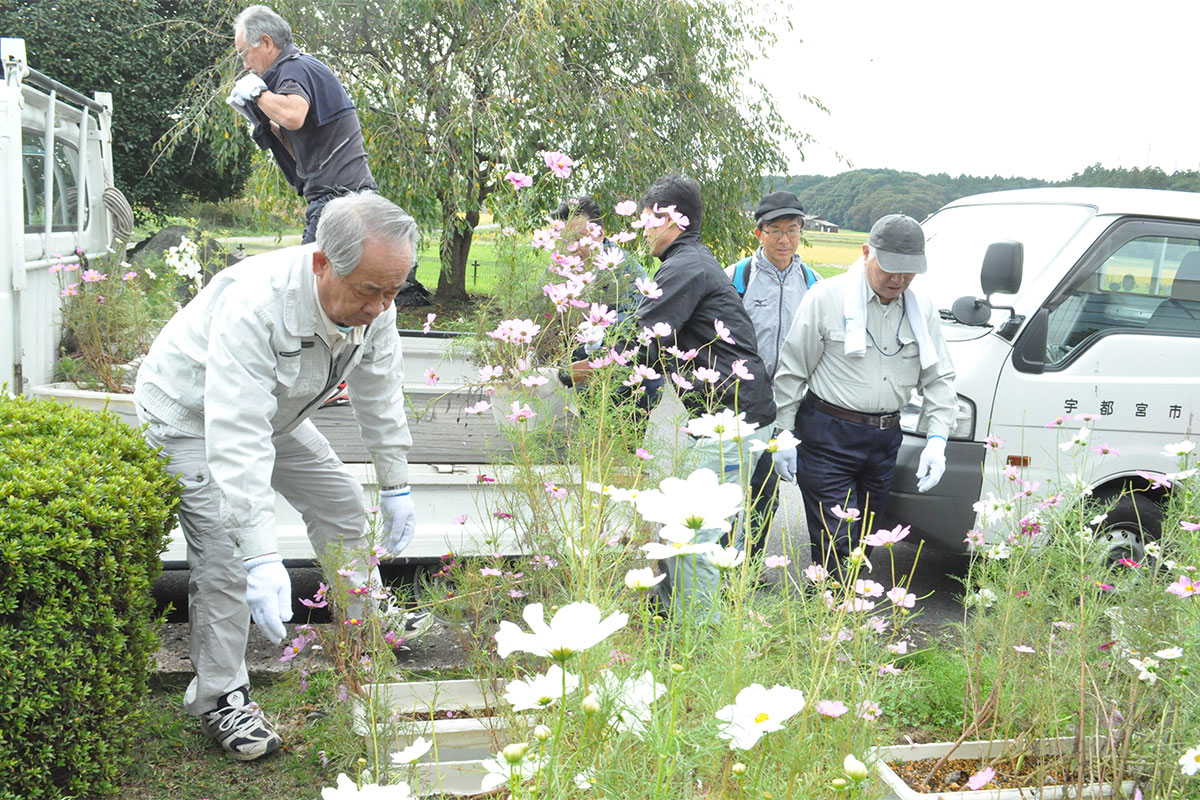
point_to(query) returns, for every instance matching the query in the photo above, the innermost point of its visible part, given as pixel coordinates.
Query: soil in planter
(1031, 771)
(474, 713)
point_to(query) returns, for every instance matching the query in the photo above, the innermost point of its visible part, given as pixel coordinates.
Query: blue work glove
(399, 518)
(932, 465)
(269, 594)
(784, 461)
(247, 89)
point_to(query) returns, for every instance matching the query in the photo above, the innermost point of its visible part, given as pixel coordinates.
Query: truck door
(1123, 344)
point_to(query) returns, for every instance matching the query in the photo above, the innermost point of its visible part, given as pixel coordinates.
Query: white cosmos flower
(1080, 440)
(727, 558)
(723, 426)
(1177, 449)
(782, 441)
(1189, 762)
(642, 579)
(757, 710)
(540, 691)
(575, 627)
(1146, 669)
(500, 770)
(699, 502)
(413, 753)
(629, 700)
(678, 546)
(1169, 653)
(585, 780)
(346, 789)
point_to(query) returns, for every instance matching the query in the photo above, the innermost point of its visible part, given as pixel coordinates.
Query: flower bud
(839, 784)
(738, 769)
(541, 733)
(855, 769)
(591, 705)
(677, 668)
(513, 753)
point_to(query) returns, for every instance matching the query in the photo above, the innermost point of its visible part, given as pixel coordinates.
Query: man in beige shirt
(860, 343)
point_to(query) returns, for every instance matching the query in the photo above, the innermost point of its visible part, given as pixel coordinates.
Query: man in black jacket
(710, 354)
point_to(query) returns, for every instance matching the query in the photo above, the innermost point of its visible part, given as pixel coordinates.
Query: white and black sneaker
(239, 726)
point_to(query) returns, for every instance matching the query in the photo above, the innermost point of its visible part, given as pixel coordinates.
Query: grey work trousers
(309, 476)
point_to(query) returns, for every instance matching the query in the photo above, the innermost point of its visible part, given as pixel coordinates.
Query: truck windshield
(956, 239)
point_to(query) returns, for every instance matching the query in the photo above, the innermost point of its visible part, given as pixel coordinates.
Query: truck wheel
(1133, 521)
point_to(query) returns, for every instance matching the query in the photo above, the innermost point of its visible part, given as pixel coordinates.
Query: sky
(1016, 88)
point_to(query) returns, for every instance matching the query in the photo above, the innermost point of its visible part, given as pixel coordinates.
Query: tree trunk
(455, 247)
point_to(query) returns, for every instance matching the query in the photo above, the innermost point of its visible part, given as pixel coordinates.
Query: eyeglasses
(778, 233)
(242, 52)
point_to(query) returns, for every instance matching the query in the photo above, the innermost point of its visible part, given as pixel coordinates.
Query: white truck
(1101, 316)
(56, 162)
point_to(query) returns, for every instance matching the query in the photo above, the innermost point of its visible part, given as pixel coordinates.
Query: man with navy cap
(771, 283)
(860, 343)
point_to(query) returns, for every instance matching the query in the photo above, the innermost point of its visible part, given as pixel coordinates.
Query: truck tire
(1133, 521)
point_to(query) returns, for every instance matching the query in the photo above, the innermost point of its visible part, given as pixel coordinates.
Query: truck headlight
(913, 419)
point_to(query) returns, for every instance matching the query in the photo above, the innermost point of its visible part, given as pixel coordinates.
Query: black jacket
(696, 293)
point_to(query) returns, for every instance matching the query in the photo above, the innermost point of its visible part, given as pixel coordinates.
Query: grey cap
(899, 244)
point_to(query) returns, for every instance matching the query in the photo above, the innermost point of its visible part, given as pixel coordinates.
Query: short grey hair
(258, 21)
(348, 221)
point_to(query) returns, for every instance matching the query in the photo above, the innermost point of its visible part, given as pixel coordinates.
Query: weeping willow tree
(454, 93)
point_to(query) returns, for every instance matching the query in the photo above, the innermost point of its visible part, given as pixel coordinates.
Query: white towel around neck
(854, 310)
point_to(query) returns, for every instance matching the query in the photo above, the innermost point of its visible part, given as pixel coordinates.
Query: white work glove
(247, 89)
(269, 594)
(784, 461)
(399, 518)
(932, 465)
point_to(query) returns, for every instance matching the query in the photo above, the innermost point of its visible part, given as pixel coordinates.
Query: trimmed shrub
(85, 512)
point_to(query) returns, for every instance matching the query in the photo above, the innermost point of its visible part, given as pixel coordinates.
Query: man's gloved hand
(248, 88)
(784, 461)
(399, 518)
(241, 108)
(932, 465)
(269, 594)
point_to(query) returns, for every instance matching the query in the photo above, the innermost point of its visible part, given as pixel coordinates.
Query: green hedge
(85, 511)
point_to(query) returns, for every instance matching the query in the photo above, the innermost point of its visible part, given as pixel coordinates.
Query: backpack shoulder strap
(739, 276)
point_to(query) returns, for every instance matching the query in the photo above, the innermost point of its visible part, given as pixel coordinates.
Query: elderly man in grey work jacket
(860, 343)
(227, 389)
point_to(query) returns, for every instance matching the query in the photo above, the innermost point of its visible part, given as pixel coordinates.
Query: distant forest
(855, 199)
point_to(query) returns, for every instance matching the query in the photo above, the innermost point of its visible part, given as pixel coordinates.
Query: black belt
(880, 421)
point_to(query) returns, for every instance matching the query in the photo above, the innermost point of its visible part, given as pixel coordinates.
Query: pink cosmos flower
(515, 593)
(776, 562)
(461, 520)
(1157, 481)
(901, 597)
(868, 588)
(478, 408)
(882, 538)
(974, 537)
(1184, 587)
(1023, 648)
(740, 371)
(831, 708)
(888, 669)
(431, 376)
(1057, 422)
(868, 710)
(980, 779)
(92, 276)
(848, 513)
(648, 288)
(722, 332)
(624, 236)
(490, 572)
(1106, 449)
(899, 648)
(994, 442)
(682, 382)
(429, 318)
(682, 355)
(543, 239)
(558, 163)
(128, 276)
(1129, 562)
(1189, 526)
(877, 624)
(1064, 625)
(534, 380)
(707, 375)
(520, 413)
(643, 454)
(519, 180)
(70, 291)
(557, 492)
(626, 208)
(816, 573)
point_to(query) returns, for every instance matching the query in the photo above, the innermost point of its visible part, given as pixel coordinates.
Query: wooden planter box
(899, 790)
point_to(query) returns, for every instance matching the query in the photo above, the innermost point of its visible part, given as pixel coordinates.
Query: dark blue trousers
(841, 463)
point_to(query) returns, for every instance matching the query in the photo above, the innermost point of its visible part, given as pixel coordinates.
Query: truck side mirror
(1001, 273)
(1002, 267)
